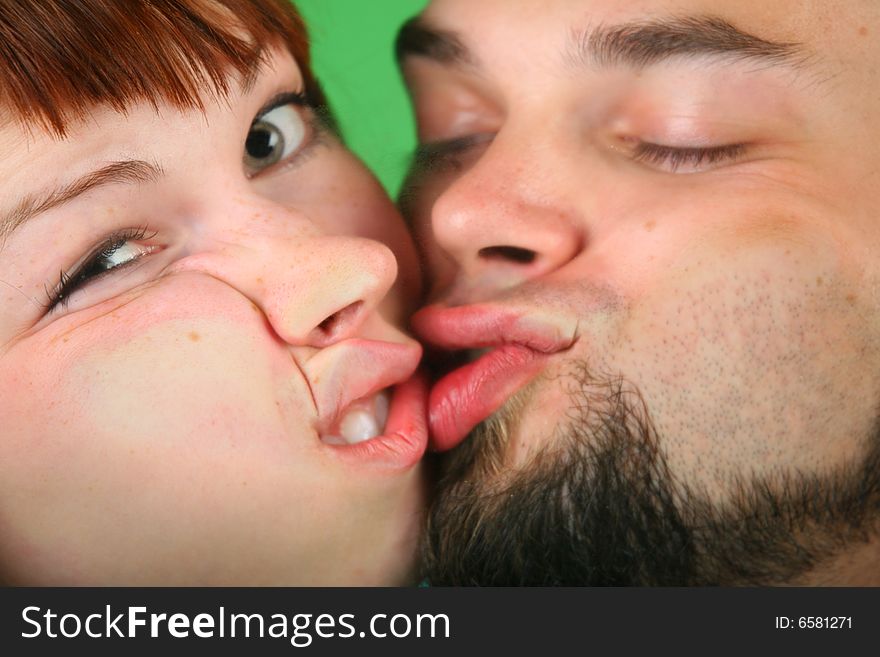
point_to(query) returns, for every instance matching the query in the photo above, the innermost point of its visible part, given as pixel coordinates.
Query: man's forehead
(837, 41)
(786, 20)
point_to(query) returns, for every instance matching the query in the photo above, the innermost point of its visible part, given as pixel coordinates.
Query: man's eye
(273, 137)
(676, 159)
(117, 251)
(449, 153)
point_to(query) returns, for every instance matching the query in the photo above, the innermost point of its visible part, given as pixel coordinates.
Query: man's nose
(505, 221)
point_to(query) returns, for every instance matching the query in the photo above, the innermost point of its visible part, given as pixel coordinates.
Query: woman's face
(197, 321)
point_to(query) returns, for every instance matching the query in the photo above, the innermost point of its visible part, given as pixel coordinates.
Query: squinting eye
(273, 137)
(438, 156)
(688, 159)
(117, 251)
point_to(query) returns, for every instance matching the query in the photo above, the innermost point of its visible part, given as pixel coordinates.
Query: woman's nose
(315, 290)
(323, 293)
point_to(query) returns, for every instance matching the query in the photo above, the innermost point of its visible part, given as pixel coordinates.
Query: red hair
(60, 58)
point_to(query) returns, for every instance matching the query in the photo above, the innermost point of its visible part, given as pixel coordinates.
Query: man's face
(174, 406)
(676, 201)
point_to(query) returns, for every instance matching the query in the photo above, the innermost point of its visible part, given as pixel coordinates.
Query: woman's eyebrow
(31, 205)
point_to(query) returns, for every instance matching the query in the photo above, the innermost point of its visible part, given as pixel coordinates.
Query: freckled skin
(158, 429)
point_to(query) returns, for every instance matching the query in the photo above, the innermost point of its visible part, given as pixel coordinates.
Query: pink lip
(468, 395)
(354, 369)
(406, 433)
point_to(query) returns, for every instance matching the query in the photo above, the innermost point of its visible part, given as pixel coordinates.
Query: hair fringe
(59, 58)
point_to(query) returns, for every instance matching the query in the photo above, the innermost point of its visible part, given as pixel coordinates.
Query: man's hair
(61, 58)
(600, 507)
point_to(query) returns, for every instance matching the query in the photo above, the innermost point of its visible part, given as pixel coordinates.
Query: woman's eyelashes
(282, 131)
(119, 250)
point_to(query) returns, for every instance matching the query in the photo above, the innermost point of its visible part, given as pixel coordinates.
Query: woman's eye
(115, 253)
(688, 159)
(273, 137)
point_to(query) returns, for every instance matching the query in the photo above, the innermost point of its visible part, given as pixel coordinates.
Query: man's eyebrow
(635, 44)
(416, 37)
(645, 43)
(122, 172)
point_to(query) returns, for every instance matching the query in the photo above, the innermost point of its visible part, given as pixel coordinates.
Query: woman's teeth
(357, 426)
(381, 408)
(363, 420)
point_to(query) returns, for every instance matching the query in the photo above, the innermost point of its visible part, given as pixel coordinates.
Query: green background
(352, 47)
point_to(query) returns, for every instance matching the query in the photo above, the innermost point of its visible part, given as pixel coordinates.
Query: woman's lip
(353, 369)
(519, 346)
(405, 436)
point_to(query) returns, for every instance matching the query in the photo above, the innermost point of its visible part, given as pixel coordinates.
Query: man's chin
(602, 507)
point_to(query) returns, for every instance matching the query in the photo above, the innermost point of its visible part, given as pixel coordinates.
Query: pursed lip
(519, 344)
(354, 369)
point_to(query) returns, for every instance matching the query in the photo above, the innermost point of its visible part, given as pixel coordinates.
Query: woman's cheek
(184, 383)
(125, 425)
(183, 372)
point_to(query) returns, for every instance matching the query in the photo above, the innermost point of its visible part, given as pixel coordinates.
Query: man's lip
(484, 325)
(519, 345)
(468, 395)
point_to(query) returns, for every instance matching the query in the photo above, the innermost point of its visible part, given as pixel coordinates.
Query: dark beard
(600, 507)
